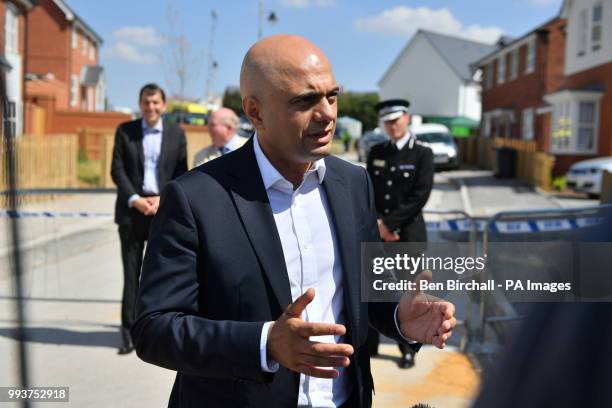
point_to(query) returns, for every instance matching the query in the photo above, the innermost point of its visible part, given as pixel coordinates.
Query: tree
(233, 100)
(182, 66)
(361, 106)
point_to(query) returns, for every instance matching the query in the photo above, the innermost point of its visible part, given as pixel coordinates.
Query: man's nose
(324, 111)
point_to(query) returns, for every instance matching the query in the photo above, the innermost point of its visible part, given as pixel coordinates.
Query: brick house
(581, 117)
(516, 77)
(12, 52)
(62, 58)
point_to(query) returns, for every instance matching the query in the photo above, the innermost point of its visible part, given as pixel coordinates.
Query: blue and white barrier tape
(455, 225)
(514, 227)
(53, 214)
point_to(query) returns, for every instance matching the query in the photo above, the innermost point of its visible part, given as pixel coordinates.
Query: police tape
(454, 225)
(513, 227)
(53, 214)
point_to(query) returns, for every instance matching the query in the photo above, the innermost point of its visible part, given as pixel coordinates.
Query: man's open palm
(425, 318)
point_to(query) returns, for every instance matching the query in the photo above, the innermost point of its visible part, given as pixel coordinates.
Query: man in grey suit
(222, 126)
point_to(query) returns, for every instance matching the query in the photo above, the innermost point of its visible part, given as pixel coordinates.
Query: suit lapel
(254, 208)
(163, 153)
(138, 136)
(341, 208)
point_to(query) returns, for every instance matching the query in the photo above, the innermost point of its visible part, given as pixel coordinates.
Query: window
(586, 125)
(488, 76)
(84, 49)
(92, 52)
(531, 57)
(527, 124)
(74, 89)
(596, 27)
(74, 40)
(562, 127)
(514, 60)
(575, 125)
(583, 27)
(10, 117)
(501, 69)
(11, 30)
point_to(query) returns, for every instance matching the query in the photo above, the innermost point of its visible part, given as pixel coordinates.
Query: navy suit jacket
(214, 272)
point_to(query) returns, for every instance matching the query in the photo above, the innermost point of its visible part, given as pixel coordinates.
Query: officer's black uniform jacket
(402, 182)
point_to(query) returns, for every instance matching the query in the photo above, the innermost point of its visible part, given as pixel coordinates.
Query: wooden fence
(42, 162)
(91, 140)
(532, 166)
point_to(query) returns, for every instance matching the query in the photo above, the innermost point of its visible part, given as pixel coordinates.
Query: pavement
(73, 283)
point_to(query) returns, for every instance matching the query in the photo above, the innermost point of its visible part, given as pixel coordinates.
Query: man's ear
(252, 109)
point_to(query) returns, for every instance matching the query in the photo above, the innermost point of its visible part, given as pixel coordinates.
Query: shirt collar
(271, 176)
(159, 126)
(403, 140)
(232, 144)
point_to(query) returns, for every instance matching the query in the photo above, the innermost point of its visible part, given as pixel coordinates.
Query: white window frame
(596, 43)
(566, 121)
(74, 40)
(514, 63)
(84, 48)
(530, 56)
(74, 89)
(501, 69)
(592, 126)
(92, 52)
(583, 33)
(527, 122)
(11, 29)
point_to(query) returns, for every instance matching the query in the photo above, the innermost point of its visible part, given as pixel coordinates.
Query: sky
(361, 38)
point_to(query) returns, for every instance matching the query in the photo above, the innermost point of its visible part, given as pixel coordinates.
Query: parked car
(440, 141)
(367, 140)
(586, 176)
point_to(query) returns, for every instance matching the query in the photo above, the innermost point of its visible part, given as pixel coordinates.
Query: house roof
(508, 42)
(78, 21)
(91, 75)
(44, 86)
(457, 52)
(4, 64)
(26, 4)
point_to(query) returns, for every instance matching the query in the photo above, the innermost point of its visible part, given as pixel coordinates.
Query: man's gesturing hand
(289, 344)
(425, 318)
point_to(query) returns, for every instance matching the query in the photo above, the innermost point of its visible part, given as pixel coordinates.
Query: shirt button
(406, 174)
(387, 197)
(386, 211)
(392, 168)
(376, 172)
(389, 182)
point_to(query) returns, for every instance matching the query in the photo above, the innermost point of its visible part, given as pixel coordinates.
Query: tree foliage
(360, 106)
(233, 100)
(356, 105)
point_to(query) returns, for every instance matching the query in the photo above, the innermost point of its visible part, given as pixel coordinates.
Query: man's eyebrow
(313, 95)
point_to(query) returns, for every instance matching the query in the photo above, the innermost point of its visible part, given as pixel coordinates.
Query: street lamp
(270, 18)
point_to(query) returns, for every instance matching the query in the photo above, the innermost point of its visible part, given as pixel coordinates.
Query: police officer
(402, 172)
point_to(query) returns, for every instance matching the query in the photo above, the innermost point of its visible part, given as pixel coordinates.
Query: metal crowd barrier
(461, 227)
(544, 225)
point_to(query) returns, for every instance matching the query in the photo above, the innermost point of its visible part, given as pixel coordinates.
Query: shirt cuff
(267, 366)
(132, 198)
(396, 319)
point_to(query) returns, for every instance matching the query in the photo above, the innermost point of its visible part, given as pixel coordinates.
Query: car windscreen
(435, 137)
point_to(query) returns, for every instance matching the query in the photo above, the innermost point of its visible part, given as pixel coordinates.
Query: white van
(439, 139)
